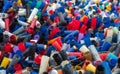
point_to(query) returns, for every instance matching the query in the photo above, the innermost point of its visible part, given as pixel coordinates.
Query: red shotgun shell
(93, 23)
(33, 23)
(21, 46)
(13, 39)
(7, 22)
(8, 47)
(57, 45)
(17, 67)
(83, 29)
(59, 41)
(38, 59)
(103, 56)
(53, 32)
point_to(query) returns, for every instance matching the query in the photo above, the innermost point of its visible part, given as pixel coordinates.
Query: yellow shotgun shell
(5, 62)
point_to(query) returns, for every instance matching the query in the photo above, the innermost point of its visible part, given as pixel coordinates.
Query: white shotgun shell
(3, 72)
(44, 64)
(32, 15)
(2, 23)
(109, 35)
(22, 12)
(3, 15)
(53, 72)
(64, 47)
(94, 52)
(22, 23)
(84, 49)
(7, 33)
(118, 38)
(115, 30)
